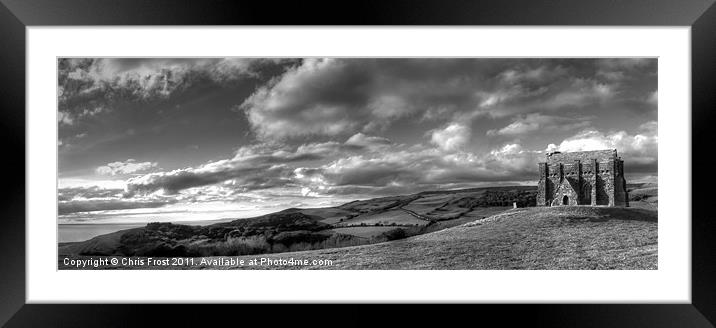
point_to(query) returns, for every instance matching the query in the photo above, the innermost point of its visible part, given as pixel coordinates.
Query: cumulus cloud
(126, 167)
(452, 137)
(299, 102)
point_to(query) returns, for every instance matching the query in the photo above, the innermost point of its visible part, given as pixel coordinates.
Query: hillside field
(295, 229)
(579, 237)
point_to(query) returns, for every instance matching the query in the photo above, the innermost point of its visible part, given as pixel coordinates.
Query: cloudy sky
(192, 139)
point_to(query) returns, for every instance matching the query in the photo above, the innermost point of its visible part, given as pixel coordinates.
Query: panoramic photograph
(357, 163)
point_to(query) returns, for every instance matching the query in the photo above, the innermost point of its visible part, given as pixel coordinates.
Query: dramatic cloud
(259, 166)
(338, 96)
(127, 167)
(452, 137)
(253, 167)
(246, 175)
(388, 167)
(424, 168)
(418, 168)
(258, 135)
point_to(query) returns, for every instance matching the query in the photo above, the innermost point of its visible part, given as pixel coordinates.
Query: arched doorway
(565, 200)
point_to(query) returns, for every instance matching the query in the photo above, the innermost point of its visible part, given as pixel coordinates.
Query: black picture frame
(16, 15)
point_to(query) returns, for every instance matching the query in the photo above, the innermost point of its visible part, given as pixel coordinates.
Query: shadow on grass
(604, 214)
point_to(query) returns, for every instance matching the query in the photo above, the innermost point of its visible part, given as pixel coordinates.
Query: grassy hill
(643, 195)
(525, 238)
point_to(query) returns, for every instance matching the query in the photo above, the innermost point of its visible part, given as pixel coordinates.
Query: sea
(83, 231)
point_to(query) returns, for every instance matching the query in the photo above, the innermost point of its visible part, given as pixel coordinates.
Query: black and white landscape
(358, 163)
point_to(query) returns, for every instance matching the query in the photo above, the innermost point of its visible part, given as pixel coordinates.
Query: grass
(363, 232)
(364, 206)
(428, 203)
(592, 238)
(530, 238)
(483, 212)
(646, 197)
(330, 215)
(398, 217)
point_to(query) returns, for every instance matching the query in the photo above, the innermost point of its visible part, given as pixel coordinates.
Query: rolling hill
(554, 238)
(461, 229)
(597, 238)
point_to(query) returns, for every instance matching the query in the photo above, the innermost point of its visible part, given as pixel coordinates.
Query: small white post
(514, 204)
